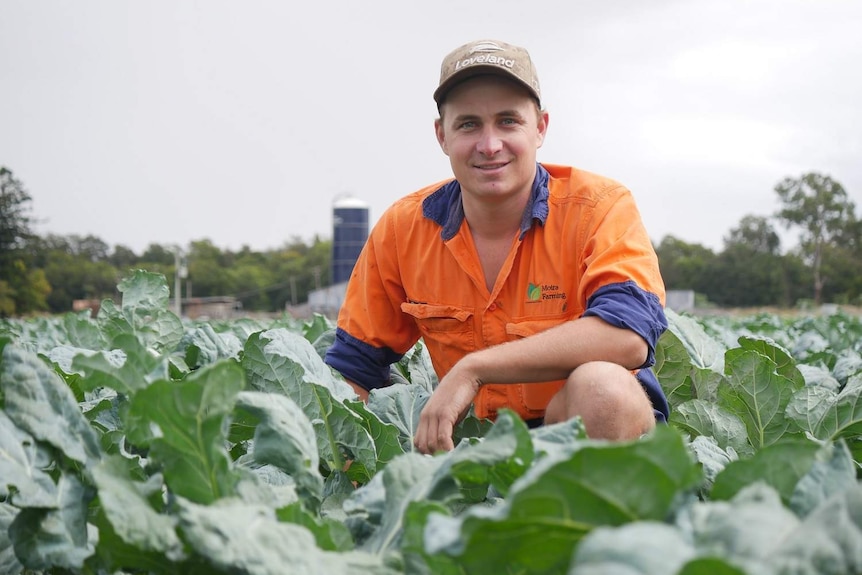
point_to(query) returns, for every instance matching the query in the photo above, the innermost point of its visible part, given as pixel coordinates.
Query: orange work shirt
(582, 250)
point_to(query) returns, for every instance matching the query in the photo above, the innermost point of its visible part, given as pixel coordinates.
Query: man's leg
(609, 399)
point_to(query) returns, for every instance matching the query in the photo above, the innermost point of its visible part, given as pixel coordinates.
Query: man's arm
(547, 356)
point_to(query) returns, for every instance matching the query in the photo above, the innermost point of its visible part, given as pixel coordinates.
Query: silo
(349, 232)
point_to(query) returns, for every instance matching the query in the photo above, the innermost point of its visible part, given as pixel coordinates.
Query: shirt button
(492, 307)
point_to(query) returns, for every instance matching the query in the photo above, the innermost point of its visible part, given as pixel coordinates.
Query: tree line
(45, 274)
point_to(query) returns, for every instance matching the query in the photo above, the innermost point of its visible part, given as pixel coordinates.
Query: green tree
(684, 266)
(820, 207)
(749, 271)
(23, 289)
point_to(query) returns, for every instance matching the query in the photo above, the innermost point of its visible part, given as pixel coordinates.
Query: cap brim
(472, 71)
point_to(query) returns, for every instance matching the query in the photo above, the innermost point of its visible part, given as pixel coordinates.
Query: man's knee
(609, 399)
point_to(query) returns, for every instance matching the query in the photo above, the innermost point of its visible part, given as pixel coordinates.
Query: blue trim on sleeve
(627, 305)
(359, 362)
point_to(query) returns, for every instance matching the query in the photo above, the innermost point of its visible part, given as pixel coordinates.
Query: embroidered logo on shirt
(541, 292)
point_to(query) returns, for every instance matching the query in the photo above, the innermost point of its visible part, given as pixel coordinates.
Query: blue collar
(444, 206)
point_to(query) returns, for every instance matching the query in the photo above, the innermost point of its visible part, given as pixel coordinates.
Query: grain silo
(349, 232)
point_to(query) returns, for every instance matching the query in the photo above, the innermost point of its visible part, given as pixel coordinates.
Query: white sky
(168, 121)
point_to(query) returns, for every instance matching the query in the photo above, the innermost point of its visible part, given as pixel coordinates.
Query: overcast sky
(241, 122)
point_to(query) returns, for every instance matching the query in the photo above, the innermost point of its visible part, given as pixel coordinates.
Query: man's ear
(541, 128)
(441, 135)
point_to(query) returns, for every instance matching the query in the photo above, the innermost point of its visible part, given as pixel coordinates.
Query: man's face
(491, 128)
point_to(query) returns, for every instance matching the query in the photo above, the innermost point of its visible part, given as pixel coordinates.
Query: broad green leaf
(282, 361)
(712, 458)
(833, 471)
(401, 406)
(387, 442)
(330, 535)
(420, 369)
(711, 566)
(834, 415)
(699, 417)
(816, 375)
(828, 541)
(640, 548)
(40, 403)
(758, 395)
(672, 368)
(498, 459)
(267, 485)
(285, 438)
(201, 345)
(9, 563)
(551, 507)
(83, 332)
(22, 480)
(143, 313)
(705, 352)
(744, 530)
(184, 424)
(382, 504)
(278, 361)
(780, 465)
(416, 560)
(128, 368)
(57, 537)
(784, 363)
(144, 290)
(125, 504)
(236, 537)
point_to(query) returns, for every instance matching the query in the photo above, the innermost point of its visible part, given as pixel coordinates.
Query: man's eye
(467, 125)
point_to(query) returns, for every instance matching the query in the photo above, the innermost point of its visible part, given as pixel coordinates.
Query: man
(533, 286)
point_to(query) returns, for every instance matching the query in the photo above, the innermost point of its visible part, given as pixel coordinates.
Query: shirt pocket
(447, 329)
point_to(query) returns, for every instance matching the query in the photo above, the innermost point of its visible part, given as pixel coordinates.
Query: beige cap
(487, 57)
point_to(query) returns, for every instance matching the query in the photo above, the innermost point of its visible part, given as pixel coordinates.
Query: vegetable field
(135, 442)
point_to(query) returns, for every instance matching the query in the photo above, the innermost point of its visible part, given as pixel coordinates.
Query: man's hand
(448, 404)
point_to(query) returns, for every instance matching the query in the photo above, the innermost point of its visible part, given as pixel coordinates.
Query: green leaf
(780, 465)
(401, 406)
(236, 537)
(40, 403)
(58, 537)
(126, 369)
(410, 477)
(699, 417)
(278, 361)
(624, 550)
(705, 352)
(833, 471)
(126, 506)
(551, 507)
(385, 436)
(143, 313)
(499, 459)
(285, 438)
(22, 480)
(329, 534)
(673, 369)
(145, 290)
(758, 395)
(9, 563)
(784, 363)
(184, 424)
(203, 346)
(828, 415)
